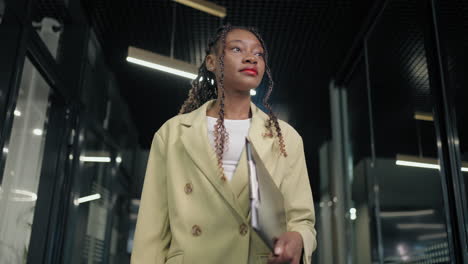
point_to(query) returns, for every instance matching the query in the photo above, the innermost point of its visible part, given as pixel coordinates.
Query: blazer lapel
(266, 150)
(194, 137)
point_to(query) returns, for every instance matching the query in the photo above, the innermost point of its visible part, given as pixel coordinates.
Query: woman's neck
(235, 107)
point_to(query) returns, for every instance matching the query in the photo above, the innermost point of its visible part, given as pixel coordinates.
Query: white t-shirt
(237, 130)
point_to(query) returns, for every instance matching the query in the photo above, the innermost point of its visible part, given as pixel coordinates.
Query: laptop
(268, 216)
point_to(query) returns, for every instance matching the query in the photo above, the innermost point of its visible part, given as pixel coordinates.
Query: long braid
(273, 120)
(205, 88)
(221, 135)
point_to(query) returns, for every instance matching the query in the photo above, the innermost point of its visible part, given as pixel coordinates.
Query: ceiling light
(253, 92)
(406, 213)
(5, 150)
(87, 198)
(24, 196)
(17, 113)
(420, 226)
(352, 213)
(95, 159)
(428, 163)
(161, 63)
(118, 159)
(37, 132)
(432, 236)
(423, 116)
(205, 6)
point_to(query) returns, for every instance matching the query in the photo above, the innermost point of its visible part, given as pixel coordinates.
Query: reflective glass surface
(411, 218)
(453, 28)
(88, 225)
(21, 176)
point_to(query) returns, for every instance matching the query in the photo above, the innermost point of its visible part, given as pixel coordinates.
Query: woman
(195, 200)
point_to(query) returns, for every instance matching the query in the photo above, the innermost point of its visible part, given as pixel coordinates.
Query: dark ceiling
(307, 41)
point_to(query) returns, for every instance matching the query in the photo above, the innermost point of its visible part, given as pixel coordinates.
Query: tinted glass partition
(412, 216)
(21, 176)
(453, 28)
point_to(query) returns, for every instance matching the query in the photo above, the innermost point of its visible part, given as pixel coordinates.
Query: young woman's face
(244, 64)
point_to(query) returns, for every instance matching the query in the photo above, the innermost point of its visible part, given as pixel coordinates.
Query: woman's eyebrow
(243, 42)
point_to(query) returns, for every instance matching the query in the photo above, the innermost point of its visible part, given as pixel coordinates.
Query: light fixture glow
(420, 226)
(424, 116)
(87, 198)
(417, 164)
(432, 236)
(118, 159)
(407, 213)
(162, 68)
(352, 213)
(17, 113)
(25, 196)
(427, 163)
(5, 150)
(205, 6)
(253, 92)
(37, 132)
(161, 63)
(95, 159)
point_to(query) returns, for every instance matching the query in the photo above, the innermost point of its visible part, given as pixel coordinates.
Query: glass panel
(25, 151)
(361, 206)
(88, 227)
(454, 38)
(412, 216)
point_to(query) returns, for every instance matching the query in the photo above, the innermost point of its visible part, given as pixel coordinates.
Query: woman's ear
(210, 62)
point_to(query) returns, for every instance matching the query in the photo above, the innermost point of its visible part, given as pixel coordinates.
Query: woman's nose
(250, 59)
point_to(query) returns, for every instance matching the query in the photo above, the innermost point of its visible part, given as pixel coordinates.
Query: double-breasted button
(243, 229)
(196, 230)
(188, 188)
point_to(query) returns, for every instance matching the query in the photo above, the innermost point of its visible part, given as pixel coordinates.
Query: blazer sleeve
(152, 233)
(299, 202)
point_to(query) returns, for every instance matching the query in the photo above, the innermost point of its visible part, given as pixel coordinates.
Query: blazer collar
(194, 137)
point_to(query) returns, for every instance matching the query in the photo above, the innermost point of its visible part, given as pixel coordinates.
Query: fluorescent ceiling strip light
(417, 164)
(205, 6)
(24, 196)
(406, 213)
(432, 236)
(427, 163)
(88, 198)
(420, 226)
(423, 116)
(161, 63)
(95, 159)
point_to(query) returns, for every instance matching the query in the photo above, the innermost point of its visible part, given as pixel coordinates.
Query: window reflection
(21, 176)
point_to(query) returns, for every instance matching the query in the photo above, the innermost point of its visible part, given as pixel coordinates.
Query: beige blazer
(189, 215)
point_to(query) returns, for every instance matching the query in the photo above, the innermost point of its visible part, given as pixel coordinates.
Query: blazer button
(243, 229)
(188, 188)
(196, 230)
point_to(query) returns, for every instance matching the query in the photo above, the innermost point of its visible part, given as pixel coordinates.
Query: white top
(237, 130)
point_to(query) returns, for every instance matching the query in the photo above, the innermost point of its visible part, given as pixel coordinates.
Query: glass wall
(21, 176)
(395, 194)
(412, 213)
(453, 29)
(88, 218)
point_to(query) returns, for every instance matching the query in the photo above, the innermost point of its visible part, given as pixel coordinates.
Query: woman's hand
(288, 249)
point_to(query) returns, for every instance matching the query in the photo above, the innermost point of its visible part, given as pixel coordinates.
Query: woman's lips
(250, 72)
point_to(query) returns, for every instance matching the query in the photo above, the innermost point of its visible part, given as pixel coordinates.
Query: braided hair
(205, 88)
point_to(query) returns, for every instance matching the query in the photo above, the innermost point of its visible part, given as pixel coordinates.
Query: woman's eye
(260, 54)
(236, 49)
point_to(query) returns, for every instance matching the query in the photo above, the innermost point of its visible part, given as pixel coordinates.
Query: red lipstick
(250, 71)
